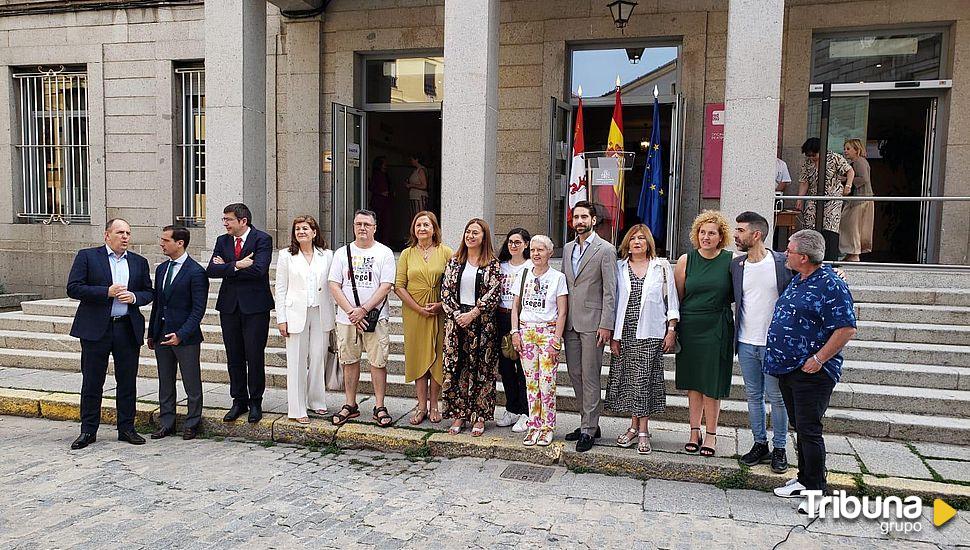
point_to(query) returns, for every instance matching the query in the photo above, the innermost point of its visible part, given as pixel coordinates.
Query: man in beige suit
(589, 263)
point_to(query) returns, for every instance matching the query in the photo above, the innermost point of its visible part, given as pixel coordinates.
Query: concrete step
(908, 294)
(913, 313)
(923, 277)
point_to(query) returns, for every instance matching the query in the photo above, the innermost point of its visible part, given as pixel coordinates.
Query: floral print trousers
(540, 373)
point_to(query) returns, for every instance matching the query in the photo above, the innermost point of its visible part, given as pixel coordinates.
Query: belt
(504, 310)
(118, 318)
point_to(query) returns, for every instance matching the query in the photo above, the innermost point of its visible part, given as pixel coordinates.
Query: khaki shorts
(351, 342)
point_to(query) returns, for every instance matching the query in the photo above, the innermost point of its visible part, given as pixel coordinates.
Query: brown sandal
(434, 415)
(341, 418)
(418, 417)
(382, 417)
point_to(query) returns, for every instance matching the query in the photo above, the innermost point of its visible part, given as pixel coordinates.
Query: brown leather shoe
(189, 433)
(162, 432)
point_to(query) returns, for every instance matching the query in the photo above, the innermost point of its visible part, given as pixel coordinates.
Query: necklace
(426, 251)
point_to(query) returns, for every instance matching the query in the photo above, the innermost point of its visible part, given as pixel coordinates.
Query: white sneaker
(506, 420)
(521, 424)
(792, 489)
(803, 507)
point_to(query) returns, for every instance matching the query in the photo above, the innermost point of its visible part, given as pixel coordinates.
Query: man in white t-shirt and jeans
(759, 277)
(373, 273)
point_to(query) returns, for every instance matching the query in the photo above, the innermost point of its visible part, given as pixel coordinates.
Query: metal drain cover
(527, 472)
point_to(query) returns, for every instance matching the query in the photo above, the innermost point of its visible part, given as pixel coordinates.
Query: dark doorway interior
(399, 136)
(637, 126)
(897, 139)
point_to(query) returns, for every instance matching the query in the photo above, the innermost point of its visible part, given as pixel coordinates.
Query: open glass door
(348, 139)
(676, 164)
(929, 213)
(560, 151)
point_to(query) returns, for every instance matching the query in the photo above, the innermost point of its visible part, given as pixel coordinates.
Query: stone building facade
(270, 88)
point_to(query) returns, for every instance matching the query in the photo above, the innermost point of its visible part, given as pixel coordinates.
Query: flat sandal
(625, 439)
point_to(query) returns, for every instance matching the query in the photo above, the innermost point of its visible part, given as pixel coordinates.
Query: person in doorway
(514, 257)
(305, 316)
(175, 332)
(417, 184)
(111, 283)
(539, 319)
(418, 284)
(361, 276)
(380, 194)
(589, 264)
(706, 327)
(836, 168)
(782, 176)
(241, 258)
(647, 311)
(813, 320)
(469, 295)
(759, 276)
(855, 228)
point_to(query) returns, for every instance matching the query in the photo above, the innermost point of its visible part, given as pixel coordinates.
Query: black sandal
(341, 418)
(690, 446)
(709, 451)
(382, 417)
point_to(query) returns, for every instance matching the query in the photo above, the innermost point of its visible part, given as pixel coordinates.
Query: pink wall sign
(713, 145)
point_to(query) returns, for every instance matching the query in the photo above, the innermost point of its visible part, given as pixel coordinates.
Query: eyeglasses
(224, 220)
(516, 243)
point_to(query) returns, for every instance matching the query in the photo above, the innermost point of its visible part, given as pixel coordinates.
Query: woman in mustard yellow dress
(418, 284)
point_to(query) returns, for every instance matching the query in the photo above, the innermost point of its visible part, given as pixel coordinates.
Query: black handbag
(374, 315)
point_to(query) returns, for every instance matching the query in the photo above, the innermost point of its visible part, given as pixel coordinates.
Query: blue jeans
(757, 386)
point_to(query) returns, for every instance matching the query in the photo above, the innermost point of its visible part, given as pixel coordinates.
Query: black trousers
(245, 340)
(806, 399)
(119, 342)
(513, 378)
(832, 251)
(171, 359)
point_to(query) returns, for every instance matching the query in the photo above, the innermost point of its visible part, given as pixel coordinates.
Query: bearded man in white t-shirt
(372, 277)
(759, 277)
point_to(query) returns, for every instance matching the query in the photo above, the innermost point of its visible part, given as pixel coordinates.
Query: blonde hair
(856, 143)
(710, 216)
(638, 229)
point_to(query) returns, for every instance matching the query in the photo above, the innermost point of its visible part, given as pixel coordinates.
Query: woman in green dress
(418, 284)
(706, 328)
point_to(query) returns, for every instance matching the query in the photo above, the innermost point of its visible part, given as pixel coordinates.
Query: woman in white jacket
(646, 317)
(305, 316)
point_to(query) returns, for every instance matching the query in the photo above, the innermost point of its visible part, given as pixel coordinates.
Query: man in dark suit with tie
(174, 332)
(111, 283)
(241, 258)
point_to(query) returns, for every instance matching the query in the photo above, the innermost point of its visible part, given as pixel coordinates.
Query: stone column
(301, 142)
(470, 115)
(751, 99)
(235, 81)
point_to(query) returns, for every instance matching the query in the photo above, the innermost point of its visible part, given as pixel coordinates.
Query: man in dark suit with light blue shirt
(241, 258)
(174, 331)
(111, 283)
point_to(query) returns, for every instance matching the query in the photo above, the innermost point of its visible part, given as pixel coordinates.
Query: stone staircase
(906, 376)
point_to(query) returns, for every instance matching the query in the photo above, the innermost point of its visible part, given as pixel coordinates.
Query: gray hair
(811, 243)
(543, 240)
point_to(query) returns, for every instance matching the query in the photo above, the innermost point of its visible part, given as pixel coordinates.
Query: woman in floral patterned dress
(470, 293)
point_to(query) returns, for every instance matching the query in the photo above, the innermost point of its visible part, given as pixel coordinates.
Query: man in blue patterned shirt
(813, 320)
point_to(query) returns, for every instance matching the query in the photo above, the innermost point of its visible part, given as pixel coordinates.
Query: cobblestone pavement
(232, 494)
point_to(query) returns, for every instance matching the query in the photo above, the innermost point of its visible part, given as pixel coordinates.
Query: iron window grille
(191, 145)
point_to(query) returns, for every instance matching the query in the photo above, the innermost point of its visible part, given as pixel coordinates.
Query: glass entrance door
(560, 157)
(349, 193)
(676, 163)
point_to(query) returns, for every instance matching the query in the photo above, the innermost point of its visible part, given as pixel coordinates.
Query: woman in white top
(646, 316)
(539, 319)
(305, 316)
(513, 257)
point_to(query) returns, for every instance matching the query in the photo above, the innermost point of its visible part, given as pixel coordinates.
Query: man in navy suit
(241, 258)
(174, 332)
(111, 284)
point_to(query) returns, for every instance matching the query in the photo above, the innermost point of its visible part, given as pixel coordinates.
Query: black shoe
(255, 413)
(131, 437)
(189, 433)
(574, 435)
(759, 453)
(235, 412)
(779, 461)
(162, 432)
(83, 441)
(584, 444)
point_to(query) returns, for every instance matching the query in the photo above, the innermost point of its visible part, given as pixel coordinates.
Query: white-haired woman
(538, 322)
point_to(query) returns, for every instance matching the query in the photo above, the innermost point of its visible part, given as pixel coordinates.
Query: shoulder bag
(373, 315)
(508, 350)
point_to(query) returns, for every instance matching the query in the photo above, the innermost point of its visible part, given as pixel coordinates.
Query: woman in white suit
(305, 316)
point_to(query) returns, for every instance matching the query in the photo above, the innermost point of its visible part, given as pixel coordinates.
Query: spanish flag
(612, 197)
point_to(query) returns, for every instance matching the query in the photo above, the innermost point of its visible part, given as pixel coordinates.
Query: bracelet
(815, 357)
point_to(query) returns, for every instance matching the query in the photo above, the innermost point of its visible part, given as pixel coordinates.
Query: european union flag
(650, 206)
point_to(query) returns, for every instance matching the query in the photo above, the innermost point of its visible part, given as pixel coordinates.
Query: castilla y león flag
(612, 197)
(578, 191)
